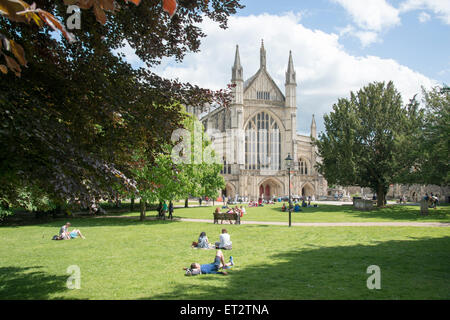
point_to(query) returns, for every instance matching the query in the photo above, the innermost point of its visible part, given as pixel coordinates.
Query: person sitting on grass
(66, 235)
(203, 242)
(283, 208)
(64, 231)
(225, 241)
(210, 268)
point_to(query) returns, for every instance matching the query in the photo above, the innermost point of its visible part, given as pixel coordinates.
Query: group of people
(163, 208)
(254, 204)
(297, 206)
(219, 263)
(223, 243)
(260, 202)
(432, 200)
(236, 209)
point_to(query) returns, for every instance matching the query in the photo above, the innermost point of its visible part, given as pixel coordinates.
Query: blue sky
(422, 46)
(338, 46)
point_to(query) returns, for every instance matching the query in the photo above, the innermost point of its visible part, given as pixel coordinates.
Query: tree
(70, 123)
(202, 171)
(167, 178)
(435, 138)
(365, 139)
(156, 181)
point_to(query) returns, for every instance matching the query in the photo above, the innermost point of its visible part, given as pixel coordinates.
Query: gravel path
(311, 224)
(339, 224)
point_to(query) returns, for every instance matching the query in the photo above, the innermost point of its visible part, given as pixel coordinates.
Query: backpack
(55, 237)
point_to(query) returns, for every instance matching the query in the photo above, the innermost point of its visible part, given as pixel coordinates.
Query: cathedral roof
(263, 72)
(248, 83)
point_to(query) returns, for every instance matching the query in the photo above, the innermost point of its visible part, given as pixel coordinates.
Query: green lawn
(324, 213)
(127, 259)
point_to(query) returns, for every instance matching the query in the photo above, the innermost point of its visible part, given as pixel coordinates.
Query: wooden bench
(226, 216)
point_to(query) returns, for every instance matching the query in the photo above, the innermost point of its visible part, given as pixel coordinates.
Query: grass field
(324, 213)
(127, 259)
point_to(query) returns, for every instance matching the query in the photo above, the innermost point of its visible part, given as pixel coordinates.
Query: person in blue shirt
(211, 268)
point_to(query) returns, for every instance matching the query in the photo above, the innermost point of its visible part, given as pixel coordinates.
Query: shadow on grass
(410, 269)
(399, 212)
(391, 212)
(29, 283)
(80, 222)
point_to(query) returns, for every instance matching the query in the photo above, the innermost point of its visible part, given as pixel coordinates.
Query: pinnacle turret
(290, 73)
(262, 56)
(237, 68)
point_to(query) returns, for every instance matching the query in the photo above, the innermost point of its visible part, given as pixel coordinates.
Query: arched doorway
(307, 190)
(270, 188)
(229, 191)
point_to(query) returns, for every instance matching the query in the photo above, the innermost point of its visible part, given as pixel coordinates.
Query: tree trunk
(186, 203)
(132, 204)
(380, 196)
(143, 209)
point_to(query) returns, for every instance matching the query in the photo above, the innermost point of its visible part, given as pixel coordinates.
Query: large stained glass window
(262, 143)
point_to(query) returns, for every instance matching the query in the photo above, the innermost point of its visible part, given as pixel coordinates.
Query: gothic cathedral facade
(257, 132)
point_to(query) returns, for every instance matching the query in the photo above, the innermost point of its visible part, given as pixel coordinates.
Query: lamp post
(288, 161)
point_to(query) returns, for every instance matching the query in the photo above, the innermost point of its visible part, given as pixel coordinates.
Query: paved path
(312, 224)
(339, 224)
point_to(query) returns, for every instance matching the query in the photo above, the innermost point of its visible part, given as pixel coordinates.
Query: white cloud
(325, 71)
(440, 7)
(375, 15)
(371, 18)
(365, 37)
(424, 17)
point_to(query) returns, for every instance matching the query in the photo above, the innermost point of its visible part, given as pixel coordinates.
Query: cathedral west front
(257, 132)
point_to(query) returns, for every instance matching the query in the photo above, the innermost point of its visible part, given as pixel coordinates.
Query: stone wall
(361, 204)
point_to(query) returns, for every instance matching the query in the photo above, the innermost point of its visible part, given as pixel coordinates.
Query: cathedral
(257, 132)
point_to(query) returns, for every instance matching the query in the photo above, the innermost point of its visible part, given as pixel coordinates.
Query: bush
(4, 213)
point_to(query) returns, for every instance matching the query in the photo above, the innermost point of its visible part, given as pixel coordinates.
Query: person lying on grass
(66, 235)
(211, 268)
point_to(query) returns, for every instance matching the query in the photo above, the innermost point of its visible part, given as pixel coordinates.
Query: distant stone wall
(361, 204)
(412, 193)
